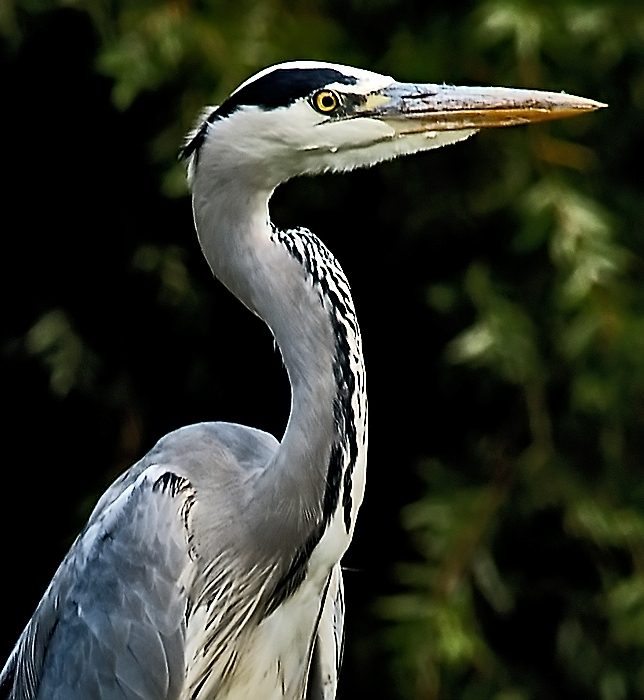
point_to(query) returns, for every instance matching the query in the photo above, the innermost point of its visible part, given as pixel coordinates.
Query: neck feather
(294, 284)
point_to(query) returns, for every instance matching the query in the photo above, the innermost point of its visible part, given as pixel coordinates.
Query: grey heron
(211, 568)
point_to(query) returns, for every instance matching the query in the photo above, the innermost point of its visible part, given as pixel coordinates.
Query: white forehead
(367, 81)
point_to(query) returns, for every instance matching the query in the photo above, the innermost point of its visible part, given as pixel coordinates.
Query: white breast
(272, 660)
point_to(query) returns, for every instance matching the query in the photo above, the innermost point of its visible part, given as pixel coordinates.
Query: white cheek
(352, 133)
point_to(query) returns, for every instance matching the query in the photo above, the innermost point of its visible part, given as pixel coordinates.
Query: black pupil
(328, 101)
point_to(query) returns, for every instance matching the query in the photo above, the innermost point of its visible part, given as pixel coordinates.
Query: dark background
(499, 551)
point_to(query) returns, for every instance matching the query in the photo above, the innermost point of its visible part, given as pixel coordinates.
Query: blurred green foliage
(500, 288)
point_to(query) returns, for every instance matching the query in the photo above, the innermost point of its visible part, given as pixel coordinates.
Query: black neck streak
(327, 277)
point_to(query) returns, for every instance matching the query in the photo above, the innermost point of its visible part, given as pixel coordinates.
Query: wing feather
(112, 623)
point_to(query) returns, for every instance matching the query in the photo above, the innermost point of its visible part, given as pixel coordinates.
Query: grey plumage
(138, 545)
(210, 570)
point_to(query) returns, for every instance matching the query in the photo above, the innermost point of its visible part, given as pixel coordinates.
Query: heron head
(306, 117)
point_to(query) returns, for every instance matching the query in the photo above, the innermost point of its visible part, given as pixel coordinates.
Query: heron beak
(410, 108)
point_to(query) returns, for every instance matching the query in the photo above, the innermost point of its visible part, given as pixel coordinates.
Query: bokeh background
(500, 550)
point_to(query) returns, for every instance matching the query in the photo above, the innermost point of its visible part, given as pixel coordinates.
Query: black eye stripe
(282, 87)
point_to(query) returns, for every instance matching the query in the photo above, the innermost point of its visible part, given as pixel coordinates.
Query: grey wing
(329, 643)
(111, 625)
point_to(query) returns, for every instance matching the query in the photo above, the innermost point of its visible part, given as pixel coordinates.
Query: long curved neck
(291, 281)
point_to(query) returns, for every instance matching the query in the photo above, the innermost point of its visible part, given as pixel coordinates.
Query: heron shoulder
(127, 580)
(214, 446)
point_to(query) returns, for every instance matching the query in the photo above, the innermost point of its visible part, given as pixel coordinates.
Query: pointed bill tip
(525, 106)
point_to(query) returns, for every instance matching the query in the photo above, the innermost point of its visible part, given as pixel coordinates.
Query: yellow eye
(326, 101)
